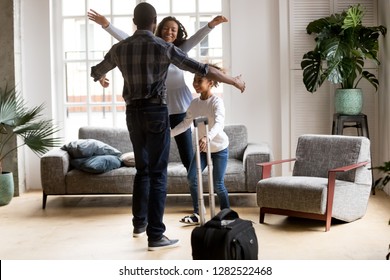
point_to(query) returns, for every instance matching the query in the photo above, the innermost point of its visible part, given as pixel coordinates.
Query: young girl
(213, 108)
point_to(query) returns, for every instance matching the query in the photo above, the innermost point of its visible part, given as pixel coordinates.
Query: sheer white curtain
(384, 93)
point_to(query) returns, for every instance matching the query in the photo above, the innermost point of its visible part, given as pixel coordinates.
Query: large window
(84, 43)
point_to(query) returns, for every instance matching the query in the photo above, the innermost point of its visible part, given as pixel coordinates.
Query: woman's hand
(217, 20)
(98, 18)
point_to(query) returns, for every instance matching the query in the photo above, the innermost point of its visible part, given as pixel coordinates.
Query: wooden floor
(99, 228)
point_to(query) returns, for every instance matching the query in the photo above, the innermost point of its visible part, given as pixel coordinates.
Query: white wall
(36, 71)
(255, 54)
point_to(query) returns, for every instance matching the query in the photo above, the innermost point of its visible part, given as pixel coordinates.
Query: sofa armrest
(55, 164)
(253, 154)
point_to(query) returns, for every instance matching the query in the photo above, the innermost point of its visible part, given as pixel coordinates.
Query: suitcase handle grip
(221, 220)
(198, 120)
(226, 214)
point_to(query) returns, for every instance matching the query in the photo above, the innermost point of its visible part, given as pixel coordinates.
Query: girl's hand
(217, 20)
(203, 144)
(98, 18)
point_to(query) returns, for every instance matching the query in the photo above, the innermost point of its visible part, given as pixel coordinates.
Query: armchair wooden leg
(328, 223)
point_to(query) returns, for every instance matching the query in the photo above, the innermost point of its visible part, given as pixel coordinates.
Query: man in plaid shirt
(143, 60)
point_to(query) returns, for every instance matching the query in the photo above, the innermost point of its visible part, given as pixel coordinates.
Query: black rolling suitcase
(225, 236)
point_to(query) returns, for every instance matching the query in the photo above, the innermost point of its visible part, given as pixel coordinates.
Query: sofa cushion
(116, 181)
(89, 147)
(96, 164)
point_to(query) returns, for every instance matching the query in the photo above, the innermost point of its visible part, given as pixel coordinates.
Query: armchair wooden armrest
(349, 167)
(267, 166)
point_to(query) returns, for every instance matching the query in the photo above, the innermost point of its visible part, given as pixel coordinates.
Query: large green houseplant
(343, 44)
(16, 120)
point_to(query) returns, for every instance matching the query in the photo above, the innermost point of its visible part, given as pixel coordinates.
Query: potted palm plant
(16, 120)
(343, 44)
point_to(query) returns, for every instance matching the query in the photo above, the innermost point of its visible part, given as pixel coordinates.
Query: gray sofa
(58, 178)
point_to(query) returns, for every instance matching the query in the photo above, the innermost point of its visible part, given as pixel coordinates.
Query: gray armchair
(330, 178)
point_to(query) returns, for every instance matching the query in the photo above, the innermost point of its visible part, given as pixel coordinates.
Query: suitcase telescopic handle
(203, 119)
(198, 120)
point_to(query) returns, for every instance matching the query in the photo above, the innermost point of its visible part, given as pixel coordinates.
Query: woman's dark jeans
(183, 140)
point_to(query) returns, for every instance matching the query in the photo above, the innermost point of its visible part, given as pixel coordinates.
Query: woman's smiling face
(169, 31)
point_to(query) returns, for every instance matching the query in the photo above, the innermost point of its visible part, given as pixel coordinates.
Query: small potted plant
(16, 120)
(343, 44)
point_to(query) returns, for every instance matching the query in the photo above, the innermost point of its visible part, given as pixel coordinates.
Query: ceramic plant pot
(6, 188)
(349, 101)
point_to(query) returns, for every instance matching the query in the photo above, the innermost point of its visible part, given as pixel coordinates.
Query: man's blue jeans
(183, 140)
(148, 126)
(219, 169)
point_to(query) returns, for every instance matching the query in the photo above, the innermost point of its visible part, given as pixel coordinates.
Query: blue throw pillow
(89, 147)
(97, 164)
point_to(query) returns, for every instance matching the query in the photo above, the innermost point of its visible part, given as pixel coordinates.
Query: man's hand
(239, 83)
(104, 81)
